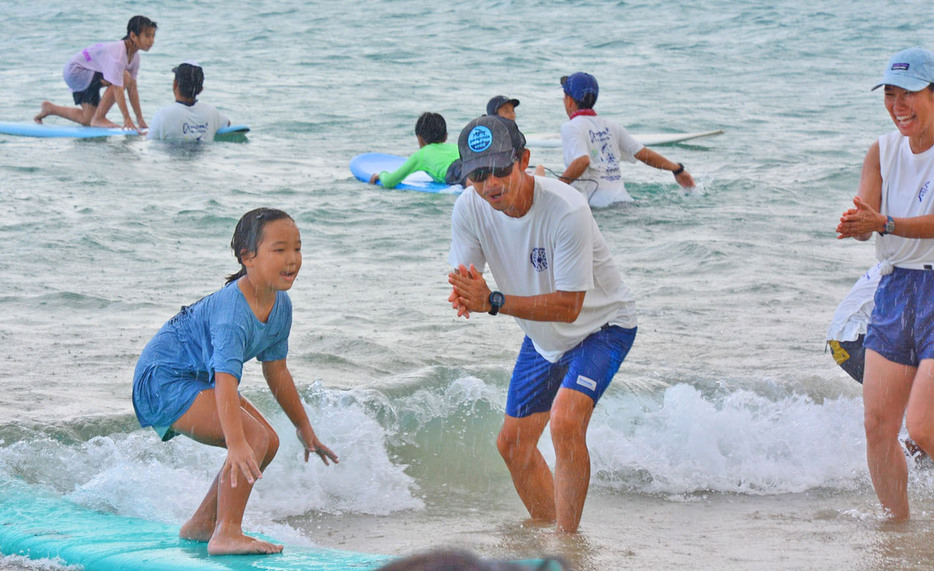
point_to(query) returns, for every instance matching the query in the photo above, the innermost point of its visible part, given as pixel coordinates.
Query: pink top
(108, 58)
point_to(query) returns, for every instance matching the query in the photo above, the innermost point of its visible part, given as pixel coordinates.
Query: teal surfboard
(81, 132)
(365, 165)
(41, 525)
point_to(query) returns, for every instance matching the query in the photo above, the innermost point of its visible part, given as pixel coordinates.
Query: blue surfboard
(82, 132)
(41, 525)
(365, 165)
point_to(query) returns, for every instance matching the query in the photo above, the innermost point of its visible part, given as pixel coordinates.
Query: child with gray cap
(187, 119)
(502, 106)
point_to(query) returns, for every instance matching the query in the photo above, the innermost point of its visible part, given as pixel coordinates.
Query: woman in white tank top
(896, 200)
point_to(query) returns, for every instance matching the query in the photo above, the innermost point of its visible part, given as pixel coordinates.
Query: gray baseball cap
(489, 141)
(495, 103)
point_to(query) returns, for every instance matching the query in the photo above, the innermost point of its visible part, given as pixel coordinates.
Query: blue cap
(911, 69)
(579, 85)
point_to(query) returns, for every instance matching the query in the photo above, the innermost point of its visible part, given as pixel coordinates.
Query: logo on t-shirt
(539, 259)
(923, 190)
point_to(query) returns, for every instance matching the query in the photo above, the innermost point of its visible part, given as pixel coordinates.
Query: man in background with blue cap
(557, 278)
(594, 146)
(187, 119)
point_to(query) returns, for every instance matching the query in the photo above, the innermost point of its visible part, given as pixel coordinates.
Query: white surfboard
(553, 140)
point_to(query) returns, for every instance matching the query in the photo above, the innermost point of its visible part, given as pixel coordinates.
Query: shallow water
(729, 439)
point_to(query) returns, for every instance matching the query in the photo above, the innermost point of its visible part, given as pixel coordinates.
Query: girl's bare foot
(197, 530)
(241, 545)
(45, 112)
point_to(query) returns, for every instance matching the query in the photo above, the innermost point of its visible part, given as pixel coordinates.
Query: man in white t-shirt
(558, 280)
(595, 146)
(187, 119)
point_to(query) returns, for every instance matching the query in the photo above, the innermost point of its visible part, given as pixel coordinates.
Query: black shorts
(91, 95)
(851, 356)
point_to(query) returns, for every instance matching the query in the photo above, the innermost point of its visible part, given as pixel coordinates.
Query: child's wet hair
(249, 233)
(432, 128)
(137, 24)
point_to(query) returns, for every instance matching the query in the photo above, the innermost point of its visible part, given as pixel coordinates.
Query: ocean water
(728, 440)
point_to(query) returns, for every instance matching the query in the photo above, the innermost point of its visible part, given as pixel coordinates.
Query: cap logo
(479, 139)
(900, 67)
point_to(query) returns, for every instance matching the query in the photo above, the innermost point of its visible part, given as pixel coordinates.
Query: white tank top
(907, 191)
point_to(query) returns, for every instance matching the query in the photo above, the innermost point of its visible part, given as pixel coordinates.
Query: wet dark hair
(137, 24)
(590, 99)
(431, 128)
(249, 233)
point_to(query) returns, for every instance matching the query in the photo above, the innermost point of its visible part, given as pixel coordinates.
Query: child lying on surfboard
(187, 378)
(434, 156)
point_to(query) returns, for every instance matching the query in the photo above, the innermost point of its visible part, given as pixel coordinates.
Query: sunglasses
(483, 173)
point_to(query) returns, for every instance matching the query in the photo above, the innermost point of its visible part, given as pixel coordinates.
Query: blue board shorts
(92, 94)
(901, 328)
(587, 368)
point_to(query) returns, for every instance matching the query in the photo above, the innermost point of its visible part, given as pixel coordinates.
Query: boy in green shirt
(434, 156)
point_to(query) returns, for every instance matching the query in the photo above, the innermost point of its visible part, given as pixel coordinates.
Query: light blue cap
(911, 69)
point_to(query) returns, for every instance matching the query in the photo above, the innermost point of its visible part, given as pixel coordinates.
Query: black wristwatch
(678, 170)
(497, 299)
(889, 227)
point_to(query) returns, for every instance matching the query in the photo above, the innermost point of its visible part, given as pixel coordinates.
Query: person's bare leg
(570, 416)
(918, 419)
(518, 445)
(223, 505)
(99, 118)
(886, 389)
(81, 115)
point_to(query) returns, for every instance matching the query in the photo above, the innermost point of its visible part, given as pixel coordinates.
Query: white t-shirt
(852, 316)
(109, 58)
(179, 122)
(907, 191)
(606, 143)
(555, 246)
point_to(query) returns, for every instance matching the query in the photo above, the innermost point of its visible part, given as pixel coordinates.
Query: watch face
(496, 301)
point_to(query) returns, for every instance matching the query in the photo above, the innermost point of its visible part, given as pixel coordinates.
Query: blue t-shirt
(216, 334)
(220, 332)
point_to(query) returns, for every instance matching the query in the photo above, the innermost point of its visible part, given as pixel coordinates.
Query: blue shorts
(588, 368)
(901, 328)
(161, 395)
(92, 94)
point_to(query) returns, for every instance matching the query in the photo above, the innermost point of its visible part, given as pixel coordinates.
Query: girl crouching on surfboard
(187, 376)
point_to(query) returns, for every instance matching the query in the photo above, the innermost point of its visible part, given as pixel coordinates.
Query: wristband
(679, 170)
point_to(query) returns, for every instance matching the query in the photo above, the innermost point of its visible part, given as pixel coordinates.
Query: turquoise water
(728, 439)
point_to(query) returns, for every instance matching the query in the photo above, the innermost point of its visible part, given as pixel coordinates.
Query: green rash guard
(434, 159)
